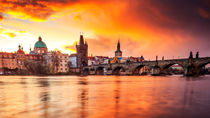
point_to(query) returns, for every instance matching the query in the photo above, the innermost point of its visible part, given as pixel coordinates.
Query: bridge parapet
(190, 66)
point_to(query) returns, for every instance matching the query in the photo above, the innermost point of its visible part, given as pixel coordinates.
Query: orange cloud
(1, 17)
(10, 33)
(38, 10)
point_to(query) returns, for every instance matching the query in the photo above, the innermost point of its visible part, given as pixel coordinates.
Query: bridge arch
(140, 70)
(117, 70)
(173, 68)
(201, 69)
(204, 64)
(99, 71)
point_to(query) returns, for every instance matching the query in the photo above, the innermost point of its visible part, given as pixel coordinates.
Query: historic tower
(82, 53)
(118, 52)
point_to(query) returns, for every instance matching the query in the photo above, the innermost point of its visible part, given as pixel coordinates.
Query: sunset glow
(149, 28)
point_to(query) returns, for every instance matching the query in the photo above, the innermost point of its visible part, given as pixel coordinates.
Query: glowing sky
(169, 28)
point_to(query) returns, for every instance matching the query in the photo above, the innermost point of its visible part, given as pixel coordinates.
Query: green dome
(40, 44)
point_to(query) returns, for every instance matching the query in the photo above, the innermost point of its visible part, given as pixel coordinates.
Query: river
(104, 97)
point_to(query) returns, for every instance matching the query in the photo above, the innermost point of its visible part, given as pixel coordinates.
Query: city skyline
(170, 28)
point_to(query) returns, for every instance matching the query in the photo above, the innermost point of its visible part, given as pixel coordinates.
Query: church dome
(32, 52)
(40, 44)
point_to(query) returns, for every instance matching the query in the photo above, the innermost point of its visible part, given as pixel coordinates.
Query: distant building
(73, 61)
(91, 60)
(16, 60)
(57, 62)
(8, 60)
(82, 53)
(101, 60)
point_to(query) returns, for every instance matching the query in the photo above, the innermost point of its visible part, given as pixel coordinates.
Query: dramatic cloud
(148, 27)
(37, 10)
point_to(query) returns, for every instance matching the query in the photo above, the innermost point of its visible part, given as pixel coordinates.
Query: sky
(169, 28)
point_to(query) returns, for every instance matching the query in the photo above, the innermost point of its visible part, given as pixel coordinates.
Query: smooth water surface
(104, 97)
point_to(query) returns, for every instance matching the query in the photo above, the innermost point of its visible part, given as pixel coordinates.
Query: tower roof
(40, 44)
(81, 41)
(118, 47)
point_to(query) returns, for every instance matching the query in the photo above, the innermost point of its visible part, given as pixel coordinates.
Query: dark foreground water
(104, 97)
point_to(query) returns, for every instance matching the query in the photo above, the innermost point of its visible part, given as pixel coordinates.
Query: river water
(104, 97)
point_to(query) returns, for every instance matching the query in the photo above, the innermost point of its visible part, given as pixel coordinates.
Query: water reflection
(83, 97)
(104, 96)
(117, 96)
(44, 95)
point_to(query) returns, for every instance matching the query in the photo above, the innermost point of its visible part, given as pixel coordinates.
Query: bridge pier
(192, 71)
(156, 71)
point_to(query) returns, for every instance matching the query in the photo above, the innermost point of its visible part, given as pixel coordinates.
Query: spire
(118, 45)
(19, 47)
(40, 38)
(30, 48)
(81, 41)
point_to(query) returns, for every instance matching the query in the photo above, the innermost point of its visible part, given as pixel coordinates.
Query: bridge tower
(118, 52)
(82, 53)
(192, 69)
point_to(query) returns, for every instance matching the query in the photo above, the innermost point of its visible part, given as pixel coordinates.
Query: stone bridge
(191, 67)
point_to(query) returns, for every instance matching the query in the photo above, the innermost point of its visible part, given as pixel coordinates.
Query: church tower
(82, 53)
(118, 52)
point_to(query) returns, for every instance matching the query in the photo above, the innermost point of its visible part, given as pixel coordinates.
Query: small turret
(191, 55)
(197, 55)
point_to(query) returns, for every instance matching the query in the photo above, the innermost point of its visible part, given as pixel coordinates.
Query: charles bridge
(191, 67)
